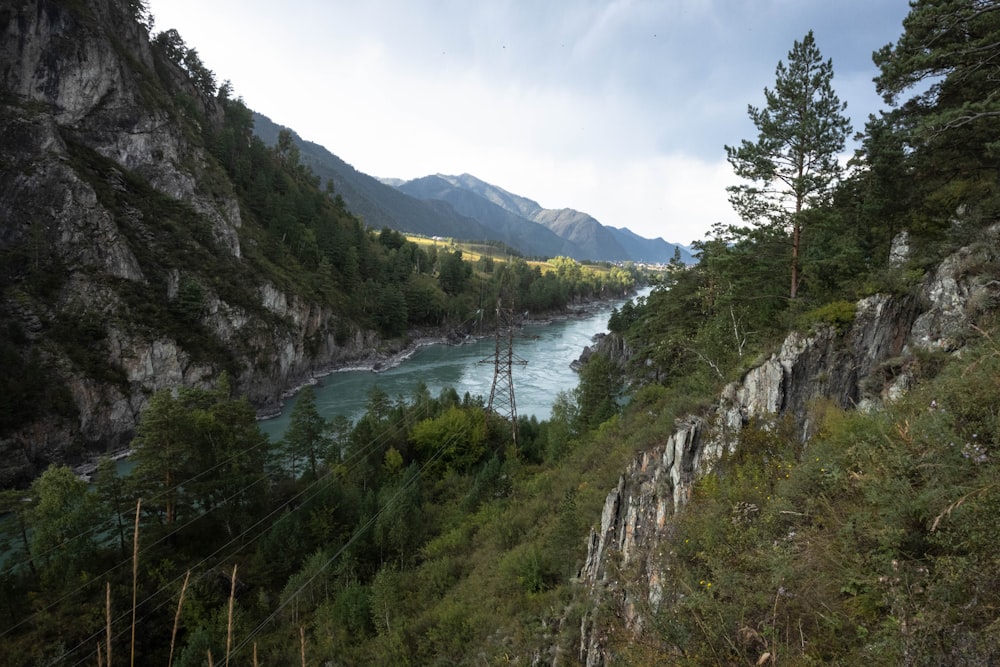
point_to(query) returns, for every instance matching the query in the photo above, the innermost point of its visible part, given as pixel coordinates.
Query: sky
(618, 108)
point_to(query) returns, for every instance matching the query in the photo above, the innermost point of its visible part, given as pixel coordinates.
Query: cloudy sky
(619, 108)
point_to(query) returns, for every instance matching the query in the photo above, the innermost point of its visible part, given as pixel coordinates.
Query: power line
(502, 401)
(255, 531)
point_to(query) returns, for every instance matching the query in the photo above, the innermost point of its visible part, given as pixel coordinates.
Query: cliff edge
(860, 368)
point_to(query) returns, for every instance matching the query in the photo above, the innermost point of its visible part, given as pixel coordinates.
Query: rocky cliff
(113, 213)
(862, 367)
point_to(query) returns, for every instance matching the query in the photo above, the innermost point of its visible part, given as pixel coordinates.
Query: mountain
(585, 237)
(149, 241)
(377, 204)
(529, 237)
(593, 239)
(466, 207)
(643, 519)
(522, 206)
(649, 250)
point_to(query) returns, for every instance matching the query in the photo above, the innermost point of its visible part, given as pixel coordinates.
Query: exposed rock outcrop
(848, 368)
(612, 346)
(92, 140)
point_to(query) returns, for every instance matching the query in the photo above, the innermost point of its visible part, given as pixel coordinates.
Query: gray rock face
(80, 79)
(635, 518)
(956, 291)
(612, 346)
(657, 483)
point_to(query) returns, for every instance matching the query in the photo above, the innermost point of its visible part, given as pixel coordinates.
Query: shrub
(838, 314)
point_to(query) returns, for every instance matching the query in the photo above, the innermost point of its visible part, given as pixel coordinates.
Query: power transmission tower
(502, 393)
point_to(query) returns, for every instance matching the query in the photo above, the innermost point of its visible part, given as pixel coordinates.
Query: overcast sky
(619, 108)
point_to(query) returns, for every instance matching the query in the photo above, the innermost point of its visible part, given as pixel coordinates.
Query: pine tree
(793, 164)
(942, 73)
(954, 45)
(306, 438)
(59, 519)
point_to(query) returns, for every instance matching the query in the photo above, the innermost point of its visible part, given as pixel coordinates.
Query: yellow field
(473, 252)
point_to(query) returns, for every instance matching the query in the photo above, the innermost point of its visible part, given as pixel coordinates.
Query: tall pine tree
(792, 166)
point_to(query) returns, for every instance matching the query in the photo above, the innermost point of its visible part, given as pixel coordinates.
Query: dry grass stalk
(107, 616)
(958, 503)
(177, 619)
(229, 622)
(210, 663)
(302, 644)
(100, 656)
(135, 573)
(255, 654)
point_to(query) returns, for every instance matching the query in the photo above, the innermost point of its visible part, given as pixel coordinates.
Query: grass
(135, 574)
(229, 617)
(177, 618)
(879, 524)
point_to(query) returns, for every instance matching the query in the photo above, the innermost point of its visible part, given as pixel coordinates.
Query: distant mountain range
(464, 207)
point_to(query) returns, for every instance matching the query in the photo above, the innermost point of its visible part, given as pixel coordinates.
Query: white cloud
(676, 197)
(620, 109)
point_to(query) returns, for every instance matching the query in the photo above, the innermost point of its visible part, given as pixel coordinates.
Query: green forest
(421, 535)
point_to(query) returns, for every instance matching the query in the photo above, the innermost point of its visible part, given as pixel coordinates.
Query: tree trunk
(796, 234)
(170, 510)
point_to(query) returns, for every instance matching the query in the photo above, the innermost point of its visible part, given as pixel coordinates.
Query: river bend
(548, 348)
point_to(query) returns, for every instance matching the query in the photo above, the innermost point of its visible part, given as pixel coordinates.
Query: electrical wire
(317, 486)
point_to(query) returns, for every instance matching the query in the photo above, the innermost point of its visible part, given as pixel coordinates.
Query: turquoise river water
(549, 349)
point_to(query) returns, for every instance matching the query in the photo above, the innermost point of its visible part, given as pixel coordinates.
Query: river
(549, 349)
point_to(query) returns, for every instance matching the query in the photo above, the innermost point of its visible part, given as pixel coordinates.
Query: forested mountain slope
(132, 258)
(376, 203)
(466, 208)
(751, 489)
(580, 235)
(829, 503)
(150, 241)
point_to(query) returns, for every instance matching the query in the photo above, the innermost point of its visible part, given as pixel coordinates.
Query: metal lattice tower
(502, 393)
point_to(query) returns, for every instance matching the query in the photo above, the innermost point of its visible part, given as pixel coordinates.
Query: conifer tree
(59, 519)
(306, 438)
(954, 45)
(792, 166)
(941, 75)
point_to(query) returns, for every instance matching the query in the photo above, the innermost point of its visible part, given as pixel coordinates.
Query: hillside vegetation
(421, 535)
(197, 250)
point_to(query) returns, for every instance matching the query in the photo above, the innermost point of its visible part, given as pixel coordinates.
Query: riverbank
(375, 362)
(402, 350)
(86, 470)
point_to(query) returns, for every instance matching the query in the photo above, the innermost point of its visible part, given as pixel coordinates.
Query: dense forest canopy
(418, 535)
